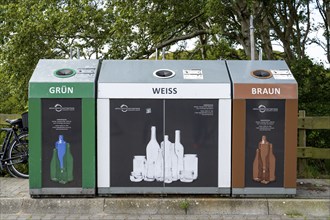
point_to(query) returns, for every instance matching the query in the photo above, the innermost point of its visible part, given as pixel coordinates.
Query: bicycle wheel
(19, 156)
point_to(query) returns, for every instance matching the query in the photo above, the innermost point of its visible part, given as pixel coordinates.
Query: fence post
(302, 163)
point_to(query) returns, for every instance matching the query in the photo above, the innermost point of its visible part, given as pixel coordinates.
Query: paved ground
(311, 202)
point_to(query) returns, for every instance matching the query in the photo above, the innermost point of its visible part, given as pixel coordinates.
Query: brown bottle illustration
(272, 166)
(264, 162)
(257, 165)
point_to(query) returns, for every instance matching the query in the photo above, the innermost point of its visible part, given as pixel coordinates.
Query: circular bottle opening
(64, 73)
(261, 74)
(164, 73)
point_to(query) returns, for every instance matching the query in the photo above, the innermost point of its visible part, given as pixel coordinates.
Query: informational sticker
(61, 124)
(204, 110)
(282, 74)
(265, 125)
(86, 70)
(193, 74)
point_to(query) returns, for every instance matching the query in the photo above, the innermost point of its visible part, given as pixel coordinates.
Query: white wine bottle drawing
(179, 150)
(168, 149)
(152, 151)
(165, 162)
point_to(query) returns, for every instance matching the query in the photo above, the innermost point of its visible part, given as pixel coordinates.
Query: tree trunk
(241, 10)
(203, 41)
(327, 27)
(266, 43)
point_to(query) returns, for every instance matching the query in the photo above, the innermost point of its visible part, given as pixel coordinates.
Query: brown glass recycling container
(264, 129)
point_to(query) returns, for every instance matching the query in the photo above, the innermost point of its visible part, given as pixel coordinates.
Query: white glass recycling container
(164, 110)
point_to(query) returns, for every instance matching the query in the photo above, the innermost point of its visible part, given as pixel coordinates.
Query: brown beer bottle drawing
(256, 167)
(272, 162)
(264, 162)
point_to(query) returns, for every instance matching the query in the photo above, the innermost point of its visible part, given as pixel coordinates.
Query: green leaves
(31, 30)
(133, 29)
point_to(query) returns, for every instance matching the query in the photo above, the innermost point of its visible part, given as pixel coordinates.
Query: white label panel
(164, 91)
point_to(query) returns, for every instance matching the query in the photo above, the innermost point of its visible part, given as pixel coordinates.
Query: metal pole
(260, 54)
(252, 37)
(156, 53)
(163, 53)
(70, 53)
(78, 53)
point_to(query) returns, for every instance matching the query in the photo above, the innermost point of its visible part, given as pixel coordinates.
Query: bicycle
(14, 155)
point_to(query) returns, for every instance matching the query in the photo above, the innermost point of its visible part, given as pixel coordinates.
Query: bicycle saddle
(14, 122)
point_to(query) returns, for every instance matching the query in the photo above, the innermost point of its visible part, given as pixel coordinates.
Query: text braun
(165, 91)
(61, 90)
(266, 91)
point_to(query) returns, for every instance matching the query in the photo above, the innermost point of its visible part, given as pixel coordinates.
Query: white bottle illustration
(166, 162)
(166, 146)
(139, 166)
(179, 150)
(152, 155)
(174, 163)
(195, 166)
(190, 166)
(160, 166)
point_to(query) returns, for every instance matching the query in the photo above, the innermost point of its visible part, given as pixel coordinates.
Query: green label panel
(62, 90)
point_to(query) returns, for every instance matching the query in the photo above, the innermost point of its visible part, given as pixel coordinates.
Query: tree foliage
(33, 29)
(136, 29)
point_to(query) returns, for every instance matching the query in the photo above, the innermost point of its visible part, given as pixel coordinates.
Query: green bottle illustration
(69, 163)
(61, 149)
(54, 166)
(63, 175)
(61, 165)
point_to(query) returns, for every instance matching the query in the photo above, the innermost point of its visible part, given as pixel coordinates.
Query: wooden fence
(310, 152)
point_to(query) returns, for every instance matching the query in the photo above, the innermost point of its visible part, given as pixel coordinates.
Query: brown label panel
(265, 91)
